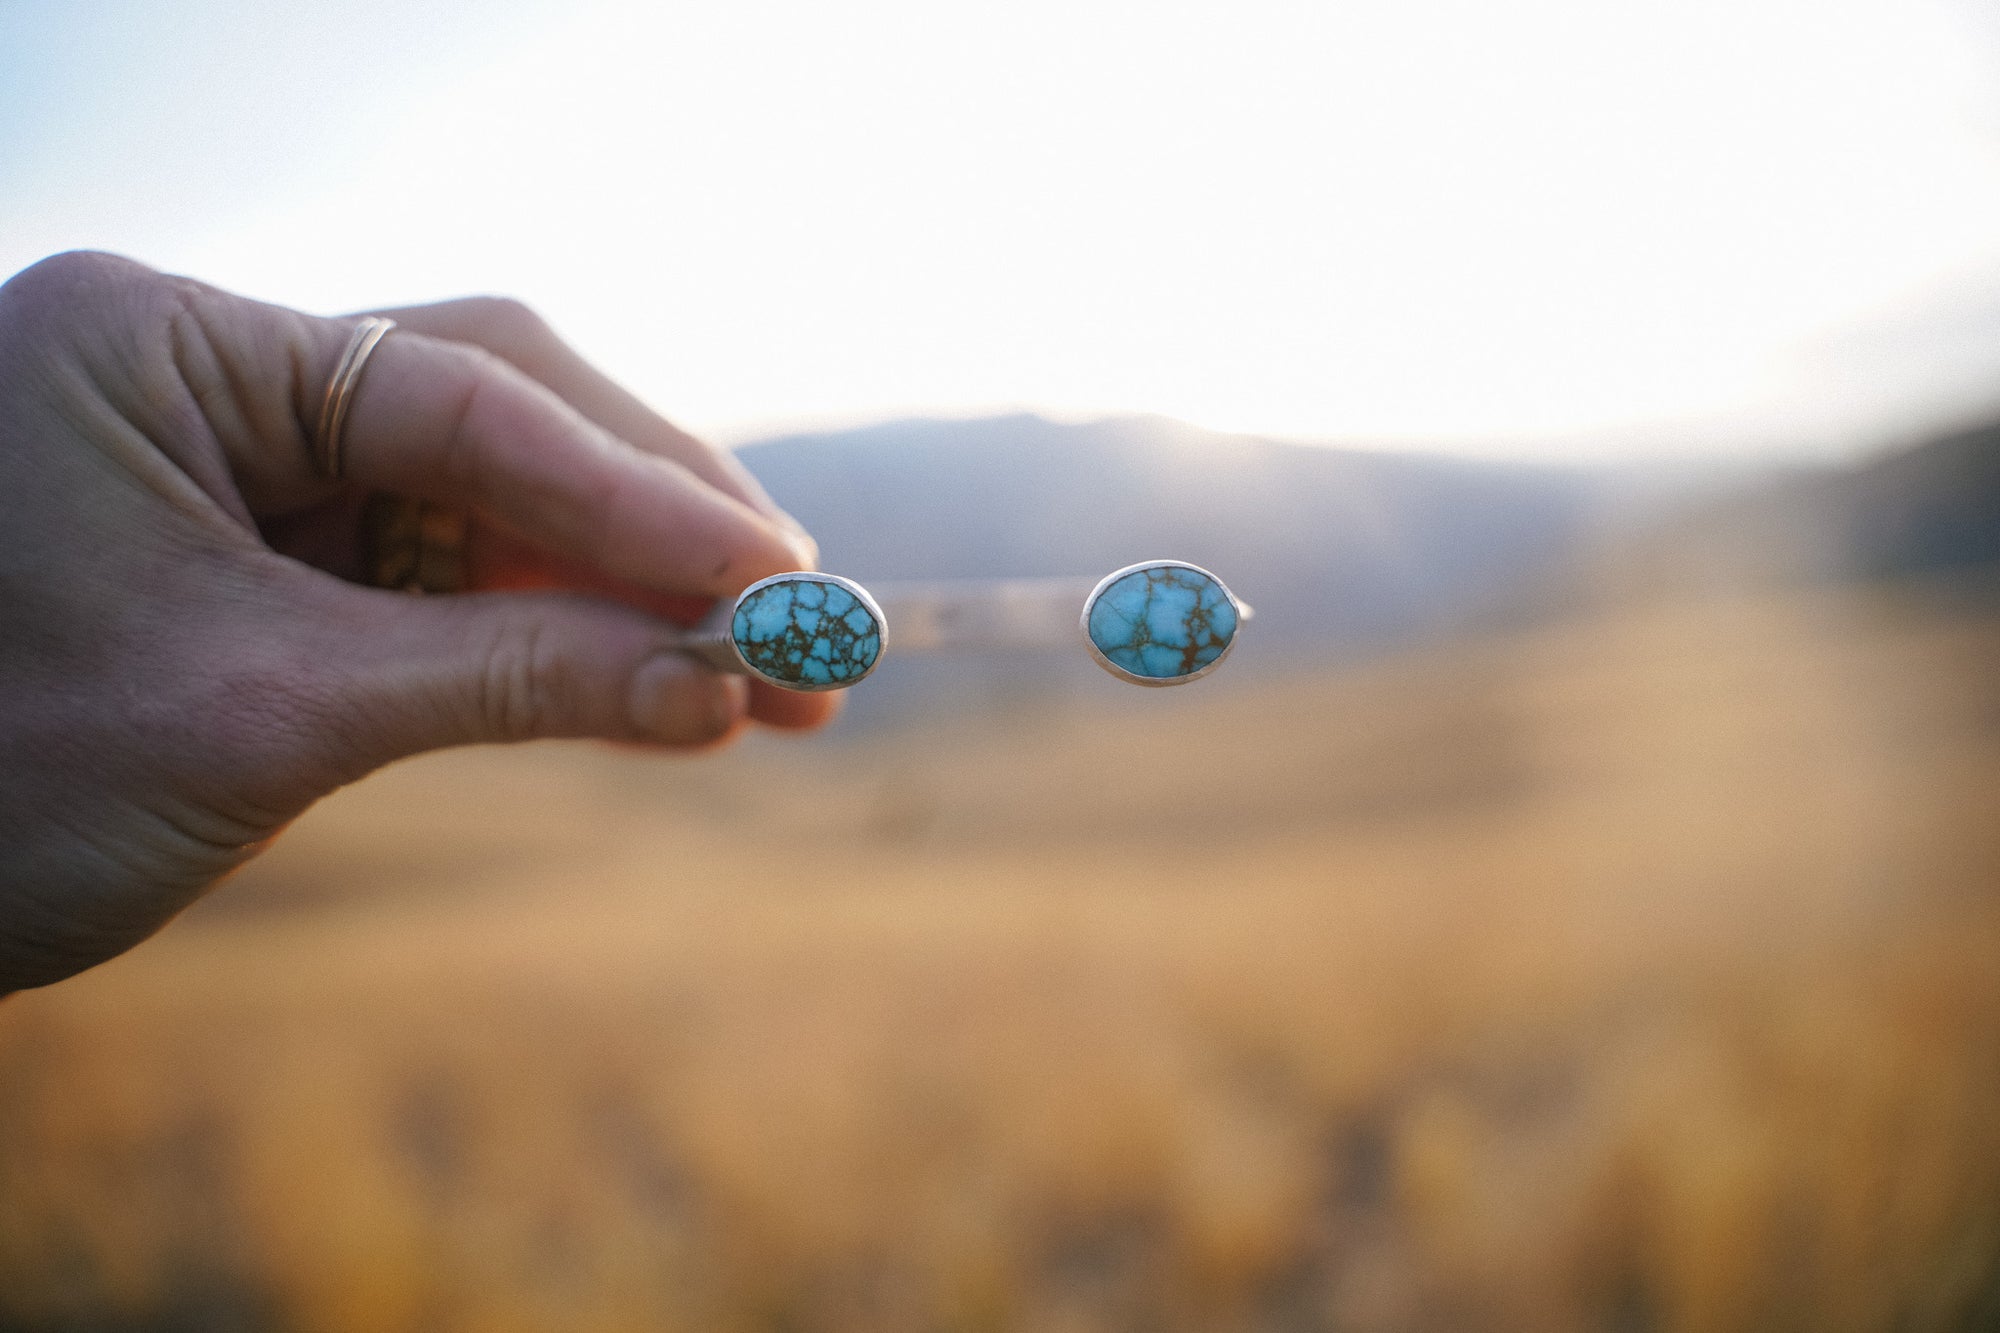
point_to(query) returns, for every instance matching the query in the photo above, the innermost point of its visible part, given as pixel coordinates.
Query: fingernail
(678, 702)
(801, 543)
(655, 686)
(728, 702)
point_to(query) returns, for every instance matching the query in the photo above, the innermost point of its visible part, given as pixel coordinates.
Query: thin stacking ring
(1162, 622)
(367, 335)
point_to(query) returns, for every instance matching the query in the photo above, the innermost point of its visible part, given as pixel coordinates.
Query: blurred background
(1575, 906)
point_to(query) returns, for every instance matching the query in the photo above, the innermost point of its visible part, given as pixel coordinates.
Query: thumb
(429, 672)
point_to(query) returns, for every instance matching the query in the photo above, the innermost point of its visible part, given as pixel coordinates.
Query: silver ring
(327, 442)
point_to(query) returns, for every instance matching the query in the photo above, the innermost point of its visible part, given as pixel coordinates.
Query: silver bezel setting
(859, 593)
(1159, 682)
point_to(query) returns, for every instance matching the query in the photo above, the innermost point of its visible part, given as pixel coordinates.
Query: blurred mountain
(1344, 553)
(1924, 511)
(1932, 509)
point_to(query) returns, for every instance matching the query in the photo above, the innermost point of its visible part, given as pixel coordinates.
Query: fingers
(433, 672)
(497, 563)
(790, 709)
(397, 675)
(454, 423)
(520, 337)
(448, 422)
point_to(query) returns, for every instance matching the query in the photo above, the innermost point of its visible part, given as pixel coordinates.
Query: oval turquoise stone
(807, 633)
(1163, 621)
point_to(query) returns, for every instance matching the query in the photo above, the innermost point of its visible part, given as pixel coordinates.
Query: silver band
(979, 614)
(937, 616)
(953, 614)
(327, 440)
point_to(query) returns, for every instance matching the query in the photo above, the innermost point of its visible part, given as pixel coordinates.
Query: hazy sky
(1706, 224)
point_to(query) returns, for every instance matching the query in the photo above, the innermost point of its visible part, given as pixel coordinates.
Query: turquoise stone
(806, 633)
(1163, 621)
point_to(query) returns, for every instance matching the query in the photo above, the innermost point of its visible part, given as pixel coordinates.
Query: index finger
(517, 335)
(447, 422)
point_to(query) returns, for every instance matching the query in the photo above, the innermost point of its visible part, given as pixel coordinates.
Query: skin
(186, 661)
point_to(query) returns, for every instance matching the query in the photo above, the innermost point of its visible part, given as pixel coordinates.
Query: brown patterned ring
(412, 545)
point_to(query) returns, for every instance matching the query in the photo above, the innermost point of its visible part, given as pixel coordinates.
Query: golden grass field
(1640, 971)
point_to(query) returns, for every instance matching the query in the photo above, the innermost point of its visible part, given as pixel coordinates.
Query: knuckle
(64, 271)
(79, 286)
(509, 325)
(525, 681)
(459, 461)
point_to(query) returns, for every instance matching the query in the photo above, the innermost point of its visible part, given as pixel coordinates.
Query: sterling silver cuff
(1159, 622)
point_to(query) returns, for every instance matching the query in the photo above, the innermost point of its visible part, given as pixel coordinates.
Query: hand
(184, 665)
